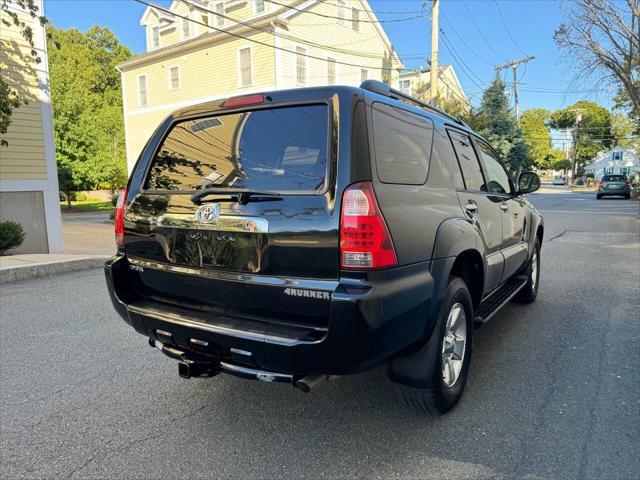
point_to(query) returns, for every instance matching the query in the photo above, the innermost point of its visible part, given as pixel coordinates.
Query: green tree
(623, 130)
(10, 98)
(536, 135)
(594, 133)
(496, 122)
(87, 107)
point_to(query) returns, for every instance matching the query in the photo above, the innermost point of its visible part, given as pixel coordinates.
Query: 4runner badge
(298, 292)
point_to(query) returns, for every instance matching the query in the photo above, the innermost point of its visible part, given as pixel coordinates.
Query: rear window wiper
(243, 196)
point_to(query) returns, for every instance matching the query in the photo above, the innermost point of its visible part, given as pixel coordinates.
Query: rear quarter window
(402, 143)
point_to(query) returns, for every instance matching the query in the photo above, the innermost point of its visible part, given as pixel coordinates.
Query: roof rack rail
(384, 89)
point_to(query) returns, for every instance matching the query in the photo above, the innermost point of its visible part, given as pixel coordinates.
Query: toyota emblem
(208, 213)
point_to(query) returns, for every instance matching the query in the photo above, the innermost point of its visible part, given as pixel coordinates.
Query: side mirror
(528, 182)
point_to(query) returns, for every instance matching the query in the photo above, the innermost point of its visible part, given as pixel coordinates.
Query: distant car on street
(558, 181)
(614, 185)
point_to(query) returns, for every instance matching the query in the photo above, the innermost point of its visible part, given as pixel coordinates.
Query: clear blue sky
(476, 36)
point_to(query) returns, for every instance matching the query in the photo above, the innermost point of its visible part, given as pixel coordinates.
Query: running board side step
(498, 299)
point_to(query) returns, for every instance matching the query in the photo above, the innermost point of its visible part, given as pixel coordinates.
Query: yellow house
(28, 174)
(203, 50)
(415, 82)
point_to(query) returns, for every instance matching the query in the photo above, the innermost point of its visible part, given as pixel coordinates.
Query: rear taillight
(119, 218)
(627, 182)
(600, 184)
(365, 242)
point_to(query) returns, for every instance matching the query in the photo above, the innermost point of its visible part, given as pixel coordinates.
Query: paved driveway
(554, 389)
(88, 234)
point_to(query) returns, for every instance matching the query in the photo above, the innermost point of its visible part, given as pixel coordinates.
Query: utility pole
(514, 65)
(576, 138)
(435, 30)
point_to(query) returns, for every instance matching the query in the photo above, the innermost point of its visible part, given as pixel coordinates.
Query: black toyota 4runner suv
(297, 235)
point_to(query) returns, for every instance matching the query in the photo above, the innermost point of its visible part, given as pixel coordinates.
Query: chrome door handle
(504, 207)
(471, 207)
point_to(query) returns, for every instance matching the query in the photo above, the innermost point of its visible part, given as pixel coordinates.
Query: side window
(468, 161)
(402, 143)
(497, 176)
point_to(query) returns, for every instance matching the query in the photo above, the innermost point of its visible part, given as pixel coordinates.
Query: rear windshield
(279, 149)
(614, 178)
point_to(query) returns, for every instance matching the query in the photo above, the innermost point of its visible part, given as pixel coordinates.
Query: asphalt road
(554, 390)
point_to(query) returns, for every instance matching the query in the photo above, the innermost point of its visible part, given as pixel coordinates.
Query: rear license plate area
(238, 251)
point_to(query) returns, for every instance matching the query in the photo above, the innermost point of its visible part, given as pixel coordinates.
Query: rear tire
(449, 365)
(598, 196)
(529, 292)
(628, 196)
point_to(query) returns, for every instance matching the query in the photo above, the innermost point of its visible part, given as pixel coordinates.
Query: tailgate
(235, 209)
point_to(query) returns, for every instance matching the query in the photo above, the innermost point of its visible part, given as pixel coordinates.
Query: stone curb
(43, 269)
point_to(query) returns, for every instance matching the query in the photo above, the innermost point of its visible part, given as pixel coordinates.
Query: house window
(364, 74)
(341, 6)
(301, 66)
(259, 6)
(355, 19)
(244, 55)
(142, 90)
(625, 171)
(174, 78)
(219, 9)
(186, 25)
(405, 86)
(331, 71)
(155, 37)
(616, 156)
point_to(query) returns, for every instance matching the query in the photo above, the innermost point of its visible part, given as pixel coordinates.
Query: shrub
(579, 181)
(81, 197)
(11, 235)
(114, 198)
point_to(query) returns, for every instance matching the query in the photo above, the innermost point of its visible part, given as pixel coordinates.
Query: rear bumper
(621, 191)
(371, 319)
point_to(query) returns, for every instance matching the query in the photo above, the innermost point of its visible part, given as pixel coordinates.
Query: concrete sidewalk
(21, 267)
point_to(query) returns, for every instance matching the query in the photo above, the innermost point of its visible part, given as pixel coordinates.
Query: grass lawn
(86, 206)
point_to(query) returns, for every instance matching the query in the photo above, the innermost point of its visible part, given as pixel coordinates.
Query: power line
(478, 29)
(324, 15)
(404, 12)
(507, 29)
(463, 66)
(288, 37)
(264, 44)
(514, 65)
(464, 42)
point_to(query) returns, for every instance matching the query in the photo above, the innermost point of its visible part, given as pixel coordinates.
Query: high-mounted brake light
(244, 100)
(365, 241)
(119, 218)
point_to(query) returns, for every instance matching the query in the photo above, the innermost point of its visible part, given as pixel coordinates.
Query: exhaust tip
(310, 381)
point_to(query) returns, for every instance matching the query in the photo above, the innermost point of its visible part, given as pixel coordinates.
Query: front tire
(449, 364)
(529, 292)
